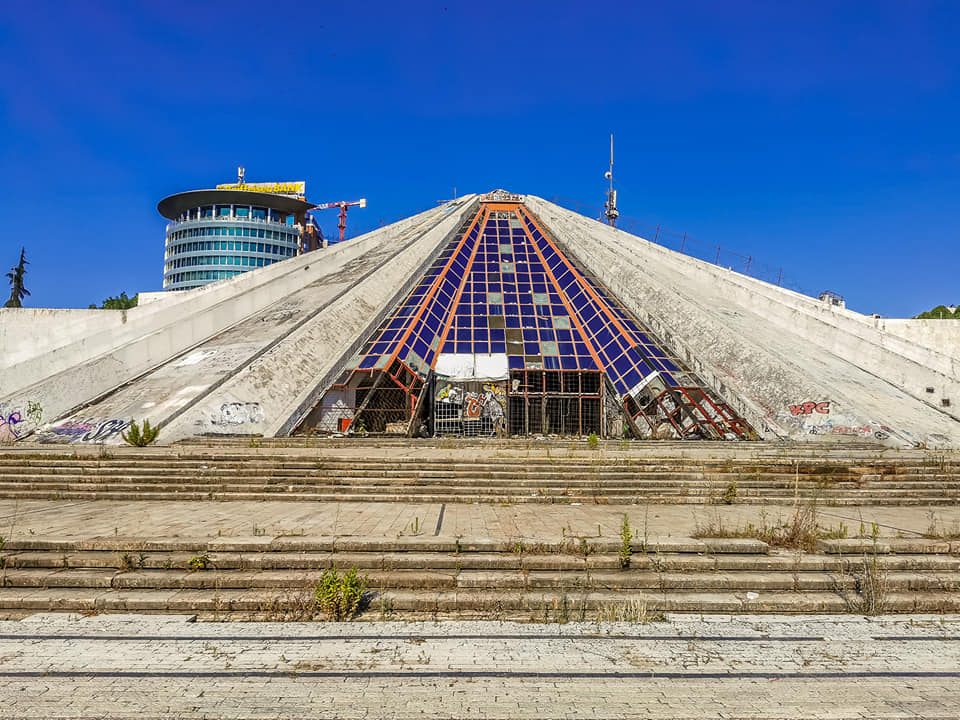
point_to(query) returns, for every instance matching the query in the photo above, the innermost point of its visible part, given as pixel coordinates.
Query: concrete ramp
(792, 366)
(239, 362)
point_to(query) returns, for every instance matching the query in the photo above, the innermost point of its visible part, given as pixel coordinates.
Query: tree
(940, 312)
(17, 290)
(118, 303)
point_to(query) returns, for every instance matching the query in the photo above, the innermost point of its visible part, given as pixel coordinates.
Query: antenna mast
(610, 206)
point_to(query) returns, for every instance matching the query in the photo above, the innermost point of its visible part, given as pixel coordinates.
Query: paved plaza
(68, 666)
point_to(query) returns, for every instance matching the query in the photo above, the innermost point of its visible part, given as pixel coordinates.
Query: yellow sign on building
(283, 188)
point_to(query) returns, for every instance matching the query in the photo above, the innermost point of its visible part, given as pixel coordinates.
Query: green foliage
(341, 598)
(118, 303)
(593, 441)
(17, 290)
(626, 535)
(938, 313)
(134, 436)
(730, 494)
(199, 562)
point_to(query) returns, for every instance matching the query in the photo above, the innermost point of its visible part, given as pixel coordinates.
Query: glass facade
(216, 242)
(510, 335)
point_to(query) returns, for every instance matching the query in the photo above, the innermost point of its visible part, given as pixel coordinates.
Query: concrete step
(600, 580)
(542, 605)
(460, 495)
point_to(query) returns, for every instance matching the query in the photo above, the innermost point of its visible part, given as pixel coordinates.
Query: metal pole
(749, 260)
(780, 276)
(682, 244)
(717, 261)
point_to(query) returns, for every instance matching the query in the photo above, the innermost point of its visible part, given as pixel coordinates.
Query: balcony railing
(218, 219)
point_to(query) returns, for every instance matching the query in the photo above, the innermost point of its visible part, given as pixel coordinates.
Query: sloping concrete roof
(251, 355)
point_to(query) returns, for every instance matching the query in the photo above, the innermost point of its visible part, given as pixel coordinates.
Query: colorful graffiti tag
(808, 408)
(237, 413)
(7, 431)
(85, 430)
(488, 402)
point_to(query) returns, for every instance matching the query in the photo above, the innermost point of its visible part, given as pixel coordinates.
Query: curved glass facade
(215, 242)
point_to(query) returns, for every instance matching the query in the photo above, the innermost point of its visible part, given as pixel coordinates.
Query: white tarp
(473, 367)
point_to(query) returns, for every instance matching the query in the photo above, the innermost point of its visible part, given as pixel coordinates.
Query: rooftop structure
(220, 233)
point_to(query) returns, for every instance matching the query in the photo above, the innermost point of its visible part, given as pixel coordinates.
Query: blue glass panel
(531, 348)
(530, 336)
(420, 347)
(671, 367)
(551, 363)
(594, 324)
(603, 337)
(516, 362)
(368, 362)
(622, 365)
(631, 378)
(498, 347)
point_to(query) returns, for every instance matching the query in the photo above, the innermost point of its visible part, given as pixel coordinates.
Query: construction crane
(343, 205)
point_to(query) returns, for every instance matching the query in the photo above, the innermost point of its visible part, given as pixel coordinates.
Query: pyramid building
(490, 315)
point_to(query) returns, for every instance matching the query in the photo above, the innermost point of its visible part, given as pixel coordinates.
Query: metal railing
(683, 243)
(195, 222)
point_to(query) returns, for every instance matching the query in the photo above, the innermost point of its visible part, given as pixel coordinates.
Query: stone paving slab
(251, 525)
(69, 666)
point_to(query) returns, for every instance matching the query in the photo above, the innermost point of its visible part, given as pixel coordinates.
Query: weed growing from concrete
(730, 494)
(341, 597)
(134, 436)
(631, 611)
(625, 550)
(199, 562)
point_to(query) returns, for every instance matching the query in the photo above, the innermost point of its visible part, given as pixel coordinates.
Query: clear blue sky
(823, 137)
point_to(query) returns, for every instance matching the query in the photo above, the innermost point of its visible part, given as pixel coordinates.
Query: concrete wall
(80, 371)
(768, 350)
(27, 333)
(942, 336)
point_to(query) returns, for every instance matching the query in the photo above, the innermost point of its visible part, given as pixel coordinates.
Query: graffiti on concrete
(489, 402)
(84, 430)
(7, 431)
(34, 412)
(849, 425)
(808, 408)
(237, 413)
(880, 432)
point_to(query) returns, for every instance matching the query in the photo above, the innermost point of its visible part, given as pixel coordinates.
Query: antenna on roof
(610, 206)
(240, 173)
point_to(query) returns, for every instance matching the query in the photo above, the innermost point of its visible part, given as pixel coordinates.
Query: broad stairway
(670, 473)
(428, 577)
(168, 565)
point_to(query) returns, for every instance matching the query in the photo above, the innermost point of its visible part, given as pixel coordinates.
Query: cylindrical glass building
(216, 234)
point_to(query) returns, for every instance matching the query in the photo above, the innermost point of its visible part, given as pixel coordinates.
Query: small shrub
(341, 598)
(593, 441)
(626, 535)
(134, 436)
(870, 585)
(730, 494)
(199, 562)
